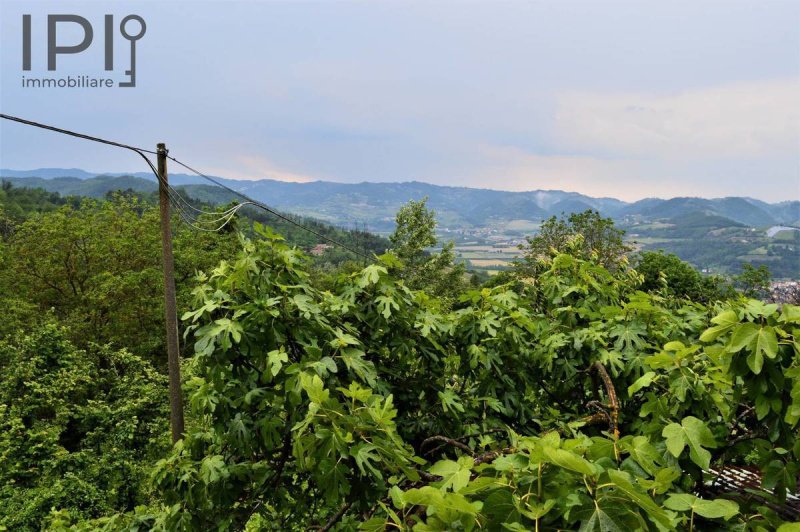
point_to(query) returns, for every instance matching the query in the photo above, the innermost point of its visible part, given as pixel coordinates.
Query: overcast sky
(625, 99)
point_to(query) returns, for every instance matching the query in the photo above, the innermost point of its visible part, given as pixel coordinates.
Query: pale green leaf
(692, 433)
(711, 509)
(275, 361)
(570, 460)
(212, 469)
(642, 382)
(455, 475)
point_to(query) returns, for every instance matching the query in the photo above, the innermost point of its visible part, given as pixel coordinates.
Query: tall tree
(668, 274)
(415, 232)
(586, 235)
(598, 407)
(754, 282)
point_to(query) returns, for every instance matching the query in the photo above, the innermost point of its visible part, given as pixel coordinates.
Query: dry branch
(611, 393)
(447, 441)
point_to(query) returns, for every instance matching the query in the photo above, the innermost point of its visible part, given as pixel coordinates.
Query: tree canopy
(78, 428)
(581, 394)
(668, 274)
(97, 267)
(754, 282)
(435, 272)
(587, 234)
(584, 404)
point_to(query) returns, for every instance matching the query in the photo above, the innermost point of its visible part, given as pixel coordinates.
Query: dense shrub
(581, 403)
(79, 429)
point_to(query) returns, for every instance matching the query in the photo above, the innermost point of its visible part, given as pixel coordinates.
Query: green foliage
(283, 390)
(97, 267)
(575, 403)
(587, 235)
(19, 203)
(78, 429)
(331, 256)
(754, 282)
(436, 273)
(668, 274)
(568, 399)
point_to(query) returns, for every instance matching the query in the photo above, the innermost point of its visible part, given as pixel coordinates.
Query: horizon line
(412, 181)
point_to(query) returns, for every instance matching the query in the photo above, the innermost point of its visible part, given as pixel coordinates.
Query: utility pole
(170, 306)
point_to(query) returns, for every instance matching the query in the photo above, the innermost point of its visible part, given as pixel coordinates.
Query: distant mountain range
(377, 203)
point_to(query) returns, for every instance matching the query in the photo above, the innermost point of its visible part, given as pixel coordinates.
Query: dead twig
(611, 393)
(602, 414)
(491, 455)
(447, 441)
(336, 517)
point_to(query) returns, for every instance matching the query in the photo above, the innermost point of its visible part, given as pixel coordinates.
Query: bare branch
(336, 517)
(611, 393)
(447, 441)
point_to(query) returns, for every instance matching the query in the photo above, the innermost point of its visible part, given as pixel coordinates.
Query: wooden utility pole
(170, 306)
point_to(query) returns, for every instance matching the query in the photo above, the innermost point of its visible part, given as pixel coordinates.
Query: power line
(227, 215)
(174, 195)
(79, 135)
(260, 205)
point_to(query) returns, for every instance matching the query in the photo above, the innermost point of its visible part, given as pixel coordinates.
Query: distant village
(785, 292)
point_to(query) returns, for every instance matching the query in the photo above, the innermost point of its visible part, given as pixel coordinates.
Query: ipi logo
(54, 49)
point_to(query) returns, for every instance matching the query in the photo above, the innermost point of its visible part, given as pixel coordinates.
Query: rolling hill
(715, 235)
(741, 210)
(456, 207)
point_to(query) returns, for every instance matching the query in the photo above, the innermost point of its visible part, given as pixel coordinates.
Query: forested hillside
(714, 235)
(20, 203)
(457, 207)
(576, 391)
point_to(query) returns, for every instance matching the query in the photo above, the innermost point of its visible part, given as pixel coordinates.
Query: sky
(628, 99)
